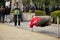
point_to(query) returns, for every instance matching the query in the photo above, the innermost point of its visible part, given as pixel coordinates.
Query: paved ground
(49, 30)
(11, 32)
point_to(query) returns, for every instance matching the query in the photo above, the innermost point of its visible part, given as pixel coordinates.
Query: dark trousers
(21, 17)
(2, 18)
(15, 19)
(43, 22)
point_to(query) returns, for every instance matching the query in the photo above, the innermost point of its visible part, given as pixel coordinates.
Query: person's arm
(31, 23)
(10, 3)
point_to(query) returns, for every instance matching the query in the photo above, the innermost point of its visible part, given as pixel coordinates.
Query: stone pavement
(10, 32)
(48, 30)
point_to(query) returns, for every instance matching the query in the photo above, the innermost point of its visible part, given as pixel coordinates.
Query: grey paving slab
(49, 30)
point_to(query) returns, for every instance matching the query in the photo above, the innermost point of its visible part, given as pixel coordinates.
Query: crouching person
(16, 16)
(38, 22)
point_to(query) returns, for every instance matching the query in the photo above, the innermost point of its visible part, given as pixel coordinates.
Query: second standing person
(7, 10)
(16, 15)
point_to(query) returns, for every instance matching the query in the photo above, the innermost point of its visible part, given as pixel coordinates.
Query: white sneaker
(18, 26)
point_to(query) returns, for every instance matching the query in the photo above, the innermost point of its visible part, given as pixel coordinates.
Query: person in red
(37, 21)
(34, 21)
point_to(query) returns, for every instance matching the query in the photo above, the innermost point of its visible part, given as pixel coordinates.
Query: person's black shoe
(18, 24)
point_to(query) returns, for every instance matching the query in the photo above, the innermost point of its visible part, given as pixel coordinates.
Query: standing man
(2, 10)
(7, 10)
(27, 8)
(2, 14)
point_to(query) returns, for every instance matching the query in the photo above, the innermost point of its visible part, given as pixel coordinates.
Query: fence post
(57, 26)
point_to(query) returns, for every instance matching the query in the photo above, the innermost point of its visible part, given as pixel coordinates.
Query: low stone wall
(27, 16)
(46, 17)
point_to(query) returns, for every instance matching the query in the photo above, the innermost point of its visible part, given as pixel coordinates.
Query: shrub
(55, 13)
(54, 16)
(40, 13)
(30, 11)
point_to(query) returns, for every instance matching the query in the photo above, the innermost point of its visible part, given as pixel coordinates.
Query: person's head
(16, 3)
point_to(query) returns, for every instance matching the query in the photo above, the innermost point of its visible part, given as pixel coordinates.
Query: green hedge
(40, 13)
(54, 15)
(30, 11)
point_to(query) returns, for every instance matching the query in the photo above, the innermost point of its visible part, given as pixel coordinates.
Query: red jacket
(34, 21)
